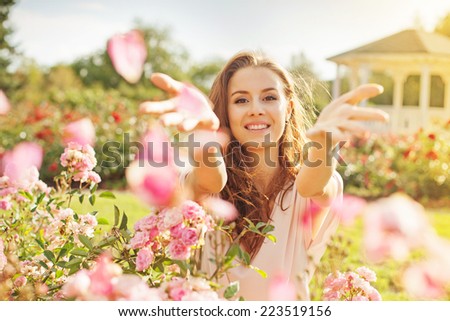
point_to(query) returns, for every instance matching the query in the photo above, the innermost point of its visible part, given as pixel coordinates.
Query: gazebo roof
(405, 42)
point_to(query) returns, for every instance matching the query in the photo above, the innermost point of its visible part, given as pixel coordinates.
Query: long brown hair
(240, 188)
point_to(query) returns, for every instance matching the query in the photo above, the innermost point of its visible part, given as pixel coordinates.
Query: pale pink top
(295, 254)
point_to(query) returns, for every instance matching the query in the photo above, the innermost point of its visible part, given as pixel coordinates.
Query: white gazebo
(409, 52)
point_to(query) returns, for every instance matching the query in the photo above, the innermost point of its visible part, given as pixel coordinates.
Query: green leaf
(231, 290)
(81, 198)
(259, 225)
(260, 272)
(27, 195)
(102, 221)
(272, 238)
(108, 241)
(268, 229)
(61, 264)
(116, 215)
(59, 273)
(123, 224)
(107, 194)
(49, 255)
(62, 252)
(231, 254)
(74, 262)
(40, 243)
(92, 199)
(40, 198)
(42, 263)
(79, 252)
(86, 242)
(244, 256)
(93, 188)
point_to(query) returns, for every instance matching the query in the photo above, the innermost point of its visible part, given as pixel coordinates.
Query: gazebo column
(397, 99)
(364, 79)
(447, 98)
(425, 80)
(337, 83)
(354, 75)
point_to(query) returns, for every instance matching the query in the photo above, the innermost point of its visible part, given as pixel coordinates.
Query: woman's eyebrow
(246, 92)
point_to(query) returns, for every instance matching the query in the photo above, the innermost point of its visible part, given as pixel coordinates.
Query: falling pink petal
(157, 147)
(4, 103)
(156, 186)
(281, 289)
(192, 102)
(128, 53)
(21, 163)
(81, 132)
(221, 209)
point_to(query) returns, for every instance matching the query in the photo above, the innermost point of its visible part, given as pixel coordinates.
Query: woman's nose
(256, 108)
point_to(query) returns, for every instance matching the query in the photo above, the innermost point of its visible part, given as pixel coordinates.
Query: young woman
(275, 166)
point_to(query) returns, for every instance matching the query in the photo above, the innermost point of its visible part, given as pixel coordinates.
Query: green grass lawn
(345, 253)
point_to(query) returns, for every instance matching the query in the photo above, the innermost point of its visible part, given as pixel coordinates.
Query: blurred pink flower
(144, 259)
(281, 289)
(5, 205)
(128, 53)
(4, 103)
(81, 132)
(20, 281)
(351, 286)
(21, 164)
(393, 226)
(221, 209)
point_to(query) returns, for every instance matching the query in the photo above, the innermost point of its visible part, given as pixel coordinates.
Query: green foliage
(7, 50)
(443, 26)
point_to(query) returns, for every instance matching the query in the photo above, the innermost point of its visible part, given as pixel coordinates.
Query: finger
(171, 119)
(211, 122)
(188, 124)
(359, 93)
(166, 83)
(353, 127)
(368, 114)
(158, 107)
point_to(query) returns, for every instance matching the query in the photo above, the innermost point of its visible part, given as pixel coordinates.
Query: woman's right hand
(189, 110)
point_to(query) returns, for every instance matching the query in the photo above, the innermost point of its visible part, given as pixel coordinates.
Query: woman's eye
(240, 101)
(270, 98)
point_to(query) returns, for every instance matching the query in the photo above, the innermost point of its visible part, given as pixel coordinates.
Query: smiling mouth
(257, 127)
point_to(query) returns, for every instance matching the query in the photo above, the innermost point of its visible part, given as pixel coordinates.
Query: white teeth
(257, 127)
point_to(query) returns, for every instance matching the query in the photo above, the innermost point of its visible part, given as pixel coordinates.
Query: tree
(443, 26)
(6, 49)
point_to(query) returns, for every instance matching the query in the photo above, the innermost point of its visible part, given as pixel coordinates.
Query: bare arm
(208, 175)
(339, 120)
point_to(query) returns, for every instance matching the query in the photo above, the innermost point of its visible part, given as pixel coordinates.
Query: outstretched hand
(341, 117)
(189, 110)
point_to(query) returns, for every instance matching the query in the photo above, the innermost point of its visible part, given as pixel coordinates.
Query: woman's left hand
(341, 118)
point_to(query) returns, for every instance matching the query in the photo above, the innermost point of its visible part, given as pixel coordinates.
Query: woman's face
(257, 106)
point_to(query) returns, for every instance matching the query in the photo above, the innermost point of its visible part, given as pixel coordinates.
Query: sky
(59, 31)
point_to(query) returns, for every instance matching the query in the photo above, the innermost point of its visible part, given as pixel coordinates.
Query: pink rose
(144, 259)
(189, 236)
(178, 250)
